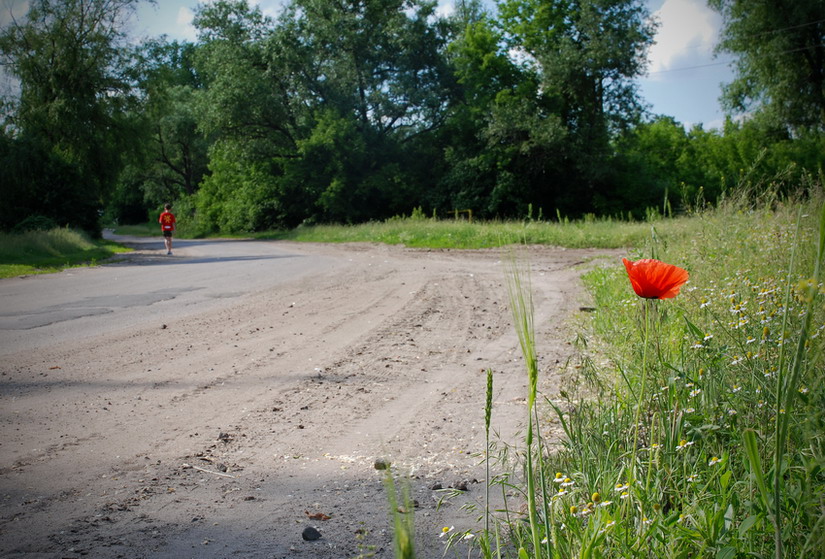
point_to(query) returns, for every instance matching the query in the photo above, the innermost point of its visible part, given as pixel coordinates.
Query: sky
(683, 81)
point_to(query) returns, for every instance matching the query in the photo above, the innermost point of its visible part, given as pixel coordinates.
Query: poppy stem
(640, 398)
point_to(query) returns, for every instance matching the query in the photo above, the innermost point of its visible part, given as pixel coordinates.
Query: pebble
(461, 485)
(310, 534)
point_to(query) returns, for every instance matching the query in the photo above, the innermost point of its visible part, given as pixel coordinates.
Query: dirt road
(218, 432)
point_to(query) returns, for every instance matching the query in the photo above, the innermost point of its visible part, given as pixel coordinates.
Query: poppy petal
(653, 279)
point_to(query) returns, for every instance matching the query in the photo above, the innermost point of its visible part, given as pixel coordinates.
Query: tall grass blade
(521, 305)
(752, 453)
(488, 411)
(403, 520)
(789, 392)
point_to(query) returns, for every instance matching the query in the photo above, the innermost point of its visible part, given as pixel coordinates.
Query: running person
(167, 226)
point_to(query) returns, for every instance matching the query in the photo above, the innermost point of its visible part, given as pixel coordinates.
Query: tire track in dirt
(221, 430)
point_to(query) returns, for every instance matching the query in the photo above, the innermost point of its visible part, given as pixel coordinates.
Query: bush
(35, 222)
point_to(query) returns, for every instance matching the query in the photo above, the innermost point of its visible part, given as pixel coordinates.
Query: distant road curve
(143, 286)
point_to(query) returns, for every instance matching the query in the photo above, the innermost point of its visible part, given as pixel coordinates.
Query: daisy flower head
(683, 444)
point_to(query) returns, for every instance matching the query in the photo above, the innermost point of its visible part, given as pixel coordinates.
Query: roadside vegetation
(42, 252)
(694, 426)
(419, 231)
(428, 232)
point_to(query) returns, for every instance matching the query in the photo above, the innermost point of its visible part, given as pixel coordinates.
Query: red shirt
(167, 221)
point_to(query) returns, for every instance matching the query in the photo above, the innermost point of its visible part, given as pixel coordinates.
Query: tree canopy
(74, 91)
(780, 64)
(354, 110)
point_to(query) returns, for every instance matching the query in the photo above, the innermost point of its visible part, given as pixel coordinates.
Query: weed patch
(39, 252)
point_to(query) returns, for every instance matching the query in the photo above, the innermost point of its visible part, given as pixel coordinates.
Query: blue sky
(684, 78)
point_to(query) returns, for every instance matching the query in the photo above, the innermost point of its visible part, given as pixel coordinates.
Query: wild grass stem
(640, 397)
(403, 519)
(488, 411)
(521, 305)
(786, 394)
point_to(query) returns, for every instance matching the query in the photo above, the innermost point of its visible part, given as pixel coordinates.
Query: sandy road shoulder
(216, 435)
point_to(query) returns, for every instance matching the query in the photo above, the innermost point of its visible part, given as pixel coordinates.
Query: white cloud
(686, 36)
(185, 16)
(269, 8)
(184, 27)
(445, 8)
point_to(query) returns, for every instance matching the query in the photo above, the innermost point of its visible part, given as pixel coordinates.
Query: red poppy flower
(653, 279)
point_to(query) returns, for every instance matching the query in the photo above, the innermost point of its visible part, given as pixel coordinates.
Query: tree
(325, 108)
(780, 49)
(176, 155)
(565, 88)
(478, 148)
(252, 111)
(71, 66)
(378, 67)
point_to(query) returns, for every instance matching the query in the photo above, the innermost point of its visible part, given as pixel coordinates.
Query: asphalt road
(143, 286)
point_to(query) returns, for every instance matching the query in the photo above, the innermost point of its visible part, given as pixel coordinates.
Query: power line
(703, 44)
(781, 29)
(698, 66)
(710, 64)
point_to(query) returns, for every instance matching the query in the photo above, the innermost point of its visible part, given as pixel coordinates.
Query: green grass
(458, 234)
(422, 232)
(701, 433)
(41, 252)
(139, 230)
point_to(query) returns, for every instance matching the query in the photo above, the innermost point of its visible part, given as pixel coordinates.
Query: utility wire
(710, 64)
(703, 44)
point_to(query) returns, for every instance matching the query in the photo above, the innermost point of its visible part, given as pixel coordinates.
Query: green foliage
(438, 233)
(174, 157)
(698, 167)
(352, 112)
(240, 195)
(37, 180)
(68, 58)
(402, 511)
(694, 486)
(35, 223)
(317, 108)
(781, 59)
(39, 251)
